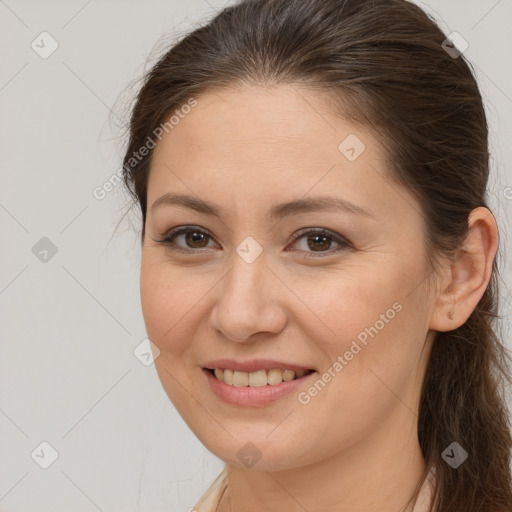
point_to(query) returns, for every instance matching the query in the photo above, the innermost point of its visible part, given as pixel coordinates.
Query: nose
(249, 301)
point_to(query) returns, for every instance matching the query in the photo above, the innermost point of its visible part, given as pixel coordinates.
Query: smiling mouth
(257, 379)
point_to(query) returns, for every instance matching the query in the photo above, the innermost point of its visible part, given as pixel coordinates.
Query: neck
(381, 472)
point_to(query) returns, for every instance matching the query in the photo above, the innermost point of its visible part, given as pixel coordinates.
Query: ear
(468, 275)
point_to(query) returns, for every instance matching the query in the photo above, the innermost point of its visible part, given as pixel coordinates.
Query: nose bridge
(245, 302)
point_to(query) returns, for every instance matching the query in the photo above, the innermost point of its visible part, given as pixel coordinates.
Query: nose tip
(239, 341)
(242, 327)
(245, 305)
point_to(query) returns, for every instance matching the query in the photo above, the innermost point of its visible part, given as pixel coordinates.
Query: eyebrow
(276, 212)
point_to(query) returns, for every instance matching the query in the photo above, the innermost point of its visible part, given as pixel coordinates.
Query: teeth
(240, 379)
(274, 377)
(288, 375)
(228, 376)
(257, 379)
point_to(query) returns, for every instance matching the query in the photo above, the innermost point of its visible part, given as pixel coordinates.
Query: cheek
(175, 302)
(167, 301)
(348, 302)
(373, 321)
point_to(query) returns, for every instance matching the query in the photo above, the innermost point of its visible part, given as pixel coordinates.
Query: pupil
(325, 245)
(194, 237)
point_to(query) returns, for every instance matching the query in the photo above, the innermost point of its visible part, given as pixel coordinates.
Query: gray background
(70, 324)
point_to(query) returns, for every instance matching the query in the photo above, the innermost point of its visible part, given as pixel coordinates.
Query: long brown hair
(386, 61)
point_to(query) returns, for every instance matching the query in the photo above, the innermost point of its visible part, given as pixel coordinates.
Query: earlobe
(469, 273)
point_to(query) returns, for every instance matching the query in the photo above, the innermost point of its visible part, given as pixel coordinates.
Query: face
(334, 286)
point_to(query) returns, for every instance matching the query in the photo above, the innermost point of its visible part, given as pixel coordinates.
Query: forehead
(285, 117)
(256, 144)
(285, 129)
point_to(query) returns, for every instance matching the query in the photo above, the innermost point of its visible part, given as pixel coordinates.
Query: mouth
(259, 378)
(256, 388)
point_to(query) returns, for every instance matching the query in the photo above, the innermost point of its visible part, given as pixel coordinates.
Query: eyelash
(343, 244)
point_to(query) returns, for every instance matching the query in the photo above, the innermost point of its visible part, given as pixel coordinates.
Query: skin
(354, 446)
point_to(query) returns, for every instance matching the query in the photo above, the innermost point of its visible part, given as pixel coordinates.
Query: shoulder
(424, 501)
(211, 498)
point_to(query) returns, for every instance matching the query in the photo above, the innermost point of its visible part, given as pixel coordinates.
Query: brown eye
(196, 239)
(319, 241)
(193, 238)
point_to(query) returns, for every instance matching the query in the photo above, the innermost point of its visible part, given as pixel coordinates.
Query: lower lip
(247, 396)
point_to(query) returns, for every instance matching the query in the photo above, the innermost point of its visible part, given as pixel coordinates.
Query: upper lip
(253, 365)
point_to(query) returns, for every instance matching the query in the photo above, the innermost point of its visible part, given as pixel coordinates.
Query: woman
(318, 260)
